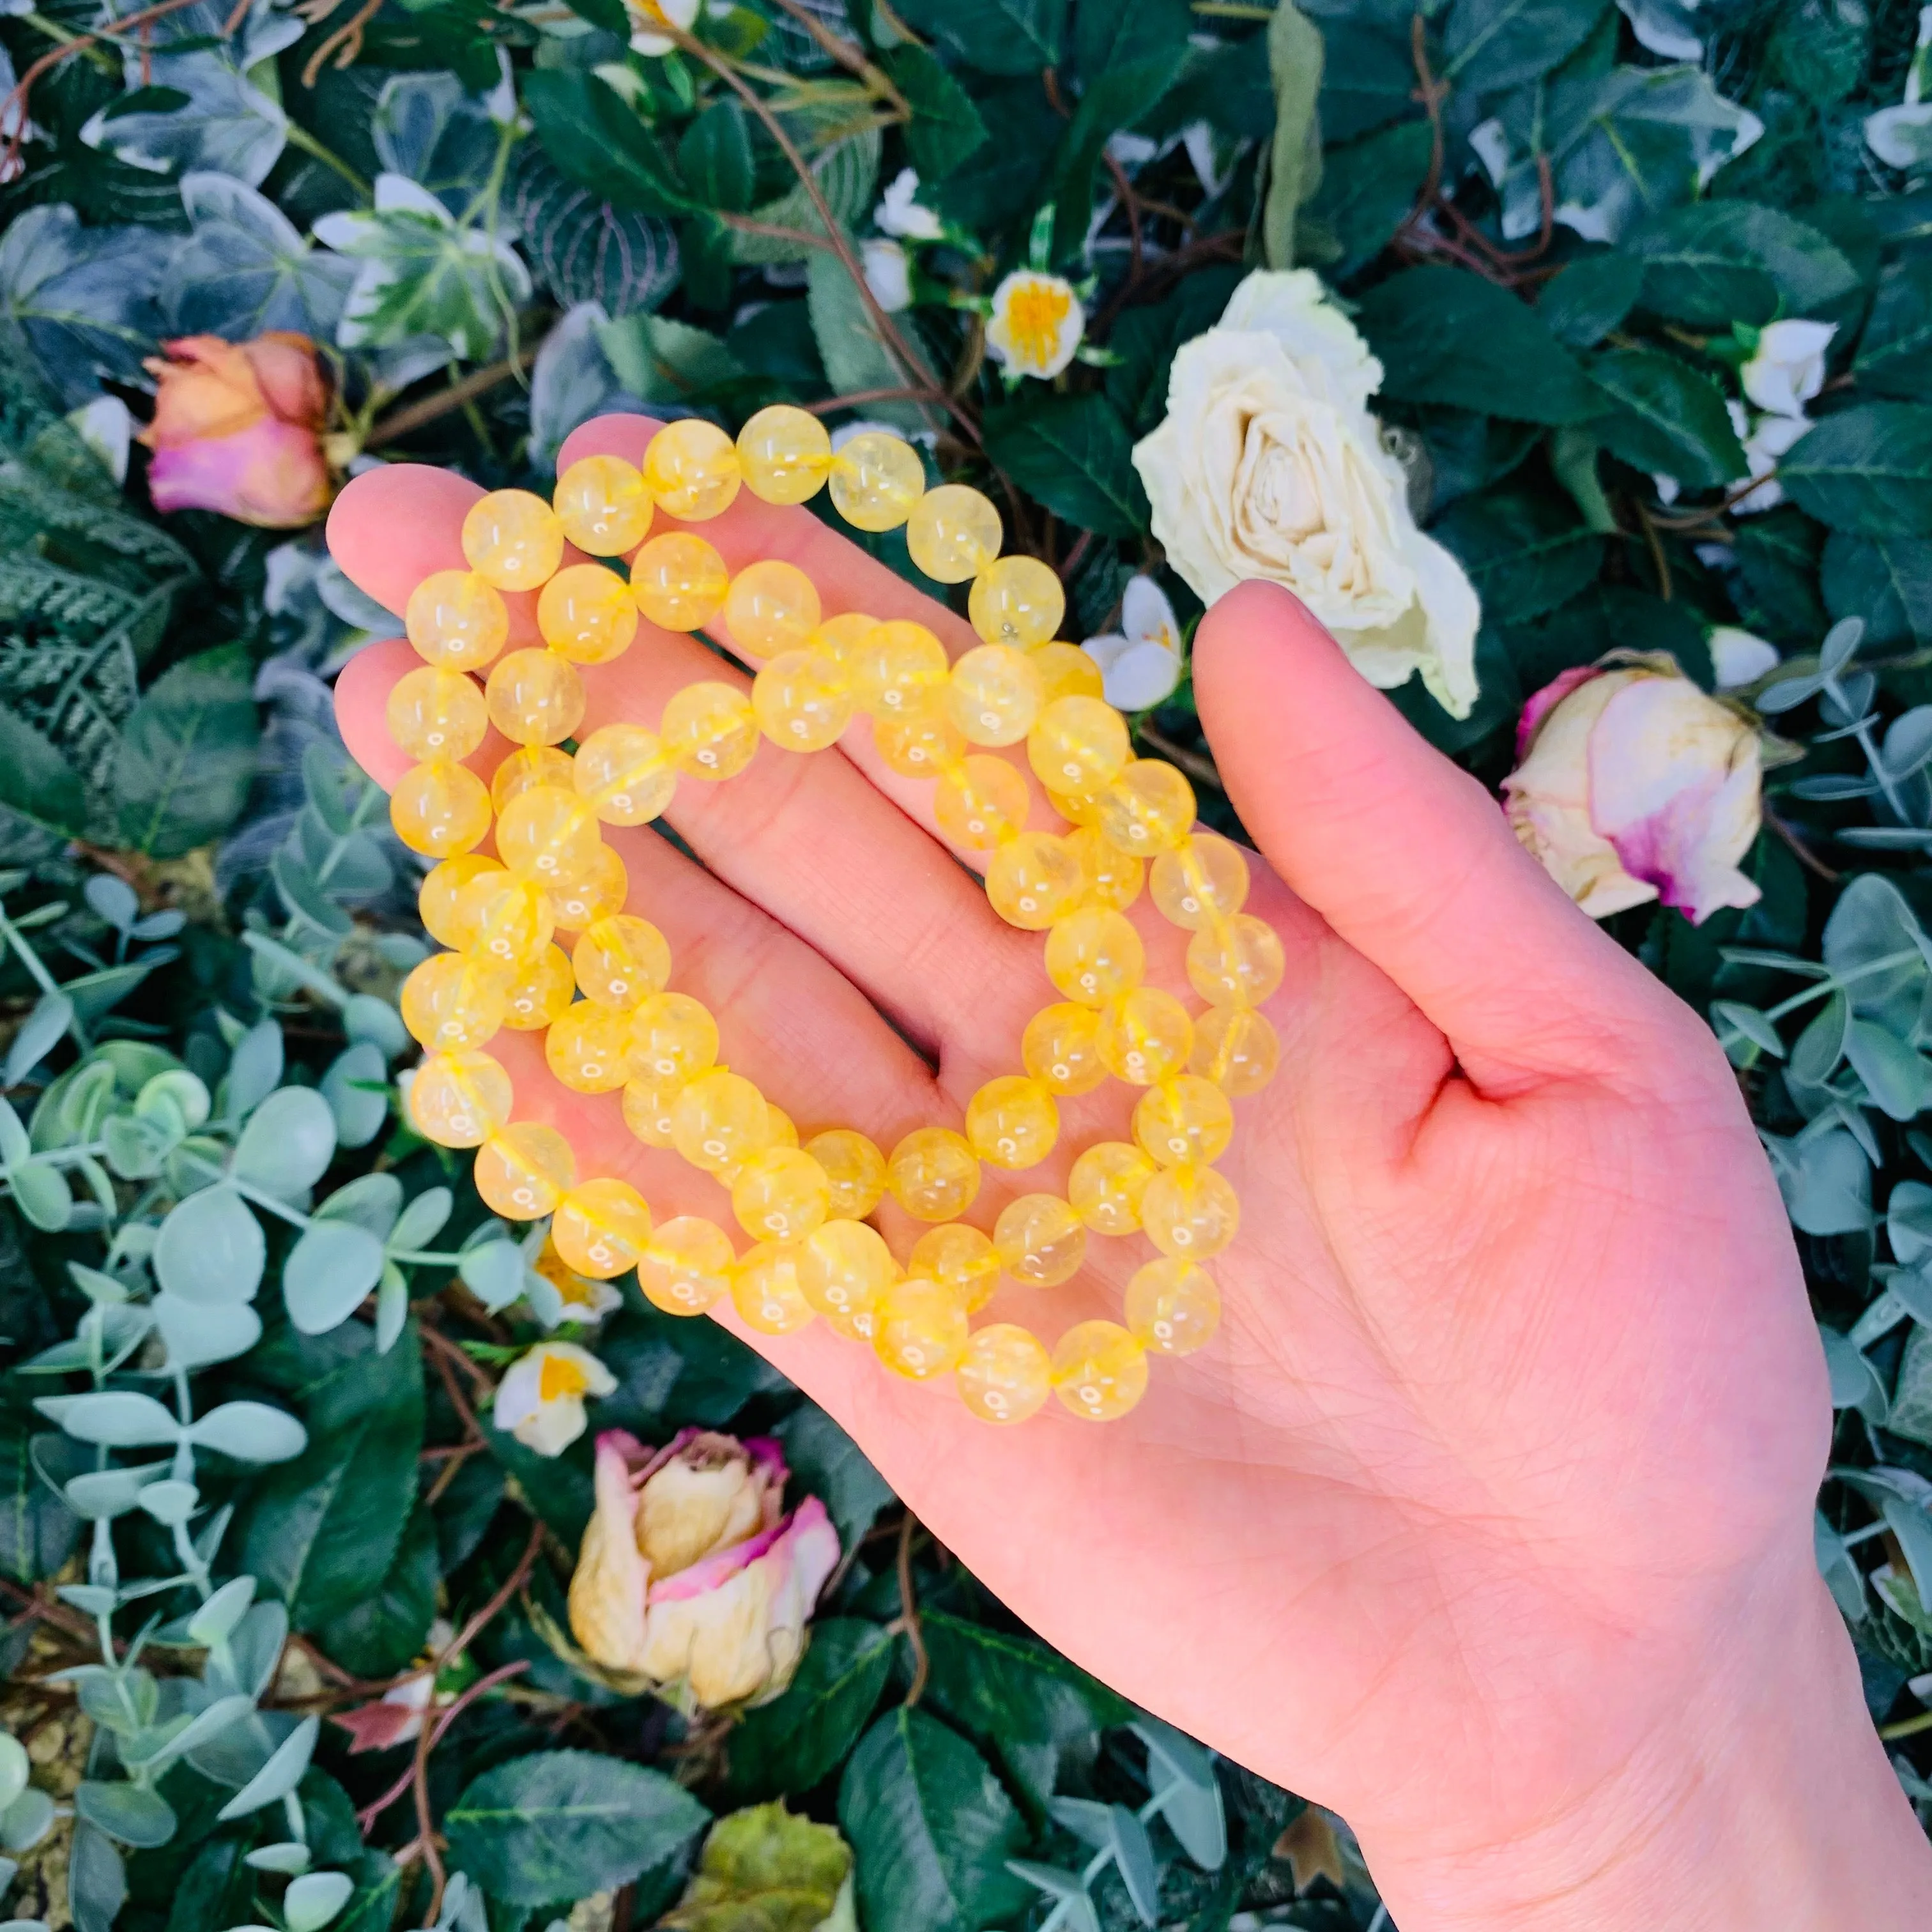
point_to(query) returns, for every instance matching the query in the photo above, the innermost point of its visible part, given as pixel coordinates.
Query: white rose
(1269, 465)
(1787, 368)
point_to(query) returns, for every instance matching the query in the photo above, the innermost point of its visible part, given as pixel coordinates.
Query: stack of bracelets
(805, 1206)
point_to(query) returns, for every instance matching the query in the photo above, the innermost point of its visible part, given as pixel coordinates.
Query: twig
(1124, 189)
(349, 37)
(1806, 857)
(455, 1457)
(1071, 561)
(425, 1825)
(1192, 763)
(908, 1618)
(406, 420)
(832, 403)
(366, 1818)
(1657, 557)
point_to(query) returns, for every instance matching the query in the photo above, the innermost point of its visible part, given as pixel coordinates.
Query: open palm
(1515, 1400)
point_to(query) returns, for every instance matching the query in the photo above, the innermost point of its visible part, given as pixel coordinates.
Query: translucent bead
(535, 697)
(1173, 1307)
(1080, 808)
(803, 701)
(1016, 600)
(1012, 1122)
(459, 1099)
(876, 480)
(526, 768)
(933, 1174)
(587, 612)
(980, 802)
(588, 1047)
(680, 581)
(1191, 1211)
(953, 533)
(692, 468)
(855, 1170)
(1106, 1186)
(1145, 1035)
(710, 730)
(437, 903)
(620, 962)
(1034, 880)
(720, 1121)
(1041, 1241)
(765, 1289)
(1099, 1370)
(1183, 1120)
(504, 918)
(843, 1268)
(453, 1000)
(439, 809)
(1078, 744)
(960, 1259)
(1067, 671)
(1236, 1048)
(650, 1110)
(622, 771)
(686, 1265)
(524, 1170)
(1094, 955)
(839, 637)
(512, 539)
(1203, 878)
(547, 836)
(1005, 1375)
(785, 1133)
(602, 504)
(1113, 878)
(597, 893)
(785, 454)
(673, 1037)
(1060, 1048)
(781, 1195)
(896, 666)
(771, 606)
(457, 620)
(1235, 962)
(541, 993)
(921, 1330)
(601, 1228)
(435, 713)
(1148, 809)
(994, 694)
(920, 742)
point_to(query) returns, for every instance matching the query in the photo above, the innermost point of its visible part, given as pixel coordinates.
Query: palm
(1477, 1416)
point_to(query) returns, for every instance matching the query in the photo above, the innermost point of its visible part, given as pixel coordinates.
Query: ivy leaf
(1073, 453)
(1488, 45)
(790, 1743)
(1867, 470)
(245, 269)
(425, 126)
(82, 300)
(1668, 418)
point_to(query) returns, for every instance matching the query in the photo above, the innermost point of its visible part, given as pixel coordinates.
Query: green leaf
(1583, 304)
(847, 173)
(1368, 77)
(38, 1530)
(790, 1743)
(945, 127)
(583, 248)
(660, 360)
(379, 1633)
(1867, 470)
(826, 1462)
(855, 359)
(995, 36)
(378, 1884)
(188, 753)
(1295, 54)
(1072, 453)
(1368, 189)
(1887, 581)
(596, 138)
(1828, 1185)
(1000, 179)
(1668, 418)
(764, 1870)
(1491, 44)
(1523, 553)
(715, 158)
(1145, 339)
(1716, 262)
(931, 1829)
(1911, 1414)
(561, 1825)
(1895, 356)
(37, 781)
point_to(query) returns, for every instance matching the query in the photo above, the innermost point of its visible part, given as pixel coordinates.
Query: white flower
(557, 1293)
(888, 273)
(1765, 441)
(1140, 663)
(900, 213)
(107, 428)
(1269, 465)
(1739, 657)
(1901, 136)
(1787, 368)
(1036, 325)
(541, 1400)
(679, 14)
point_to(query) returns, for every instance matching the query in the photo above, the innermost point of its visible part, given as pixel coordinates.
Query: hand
(1489, 1509)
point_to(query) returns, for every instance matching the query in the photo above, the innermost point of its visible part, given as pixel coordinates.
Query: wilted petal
(606, 1592)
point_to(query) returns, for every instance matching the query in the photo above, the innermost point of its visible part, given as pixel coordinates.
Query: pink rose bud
(238, 428)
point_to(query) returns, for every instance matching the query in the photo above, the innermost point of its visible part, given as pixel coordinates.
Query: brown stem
(405, 422)
(858, 396)
(1191, 762)
(348, 37)
(922, 1666)
(1658, 561)
(425, 1826)
(1803, 854)
(851, 58)
(1130, 201)
(1071, 562)
(454, 1458)
(367, 1815)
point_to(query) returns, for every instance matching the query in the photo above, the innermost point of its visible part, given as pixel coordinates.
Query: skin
(1485, 1518)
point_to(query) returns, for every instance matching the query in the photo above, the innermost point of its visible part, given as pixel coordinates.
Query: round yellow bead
(686, 1265)
(933, 1174)
(1236, 1048)
(843, 1268)
(597, 893)
(1099, 1370)
(513, 540)
(1041, 1241)
(504, 918)
(877, 478)
(710, 730)
(1060, 1048)
(453, 1000)
(803, 701)
(953, 533)
(622, 771)
(456, 619)
(1148, 809)
(524, 1170)
(548, 836)
(781, 1195)
(1106, 1186)
(1078, 744)
(1204, 878)
(994, 694)
(1094, 955)
(895, 666)
(439, 809)
(1034, 880)
(436, 903)
(785, 454)
(784, 1132)
(1016, 600)
(1190, 1211)
(587, 612)
(1113, 878)
(601, 1228)
(1235, 962)
(588, 1047)
(920, 742)
(839, 637)
(1185, 1121)
(1173, 1307)
(1005, 1375)
(672, 1038)
(1079, 809)
(679, 581)
(535, 697)
(961, 1258)
(602, 504)
(1012, 1122)
(1145, 1035)
(435, 713)
(720, 1121)
(650, 1109)
(921, 1330)
(771, 606)
(620, 961)
(692, 468)
(980, 802)
(539, 994)
(459, 1099)
(526, 768)
(1066, 671)
(765, 1289)
(855, 1170)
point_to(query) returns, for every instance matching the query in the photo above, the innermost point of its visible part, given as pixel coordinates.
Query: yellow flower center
(559, 1376)
(1035, 313)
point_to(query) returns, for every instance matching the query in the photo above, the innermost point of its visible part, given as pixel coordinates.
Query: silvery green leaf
(329, 1271)
(1822, 1045)
(288, 1143)
(15, 1768)
(314, 1899)
(1855, 1382)
(494, 1272)
(1840, 645)
(1072, 1903)
(222, 1611)
(82, 298)
(1134, 1859)
(254, 1069)
(392, 1307)
(199, 1333)
(113, 899)
(205, 1726)
(175, 1095)
(281, 1774)
(367, 1018)
(1871, 923)
(371, 1200)
(136, 1148)
(251, 1432)
(246, 269)
(427, 127)
(114, 1418)
(1901, 136)
(27, 1820)
(40, 1032)
(1668, 28)
(1840, 1573)
(1750, 1023)
(1826, 1182)
(291, 1858)
(1908, 1221)
(40, 1189)
(1898, 1080)
(91, 1600)
(356, 1087)
(1909, 1523)
(142, 1818)
(1084, 1817)
(1908, 743)
(212, 1249)
(103, 1494)
(97, 1881)
(162, 924)
(422, 1220)
(170, 1502)
(15, 1147)
(1191, 1794)
(1787, 695)
(573, 380)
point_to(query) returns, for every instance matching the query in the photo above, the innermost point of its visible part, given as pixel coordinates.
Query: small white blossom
(1764, 439)
(888, 274)
(541, 1400)
(1037, 324)
(1140, 663)
(1787, 368)
(679, 13)
(901, 213)
(1739, 657)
